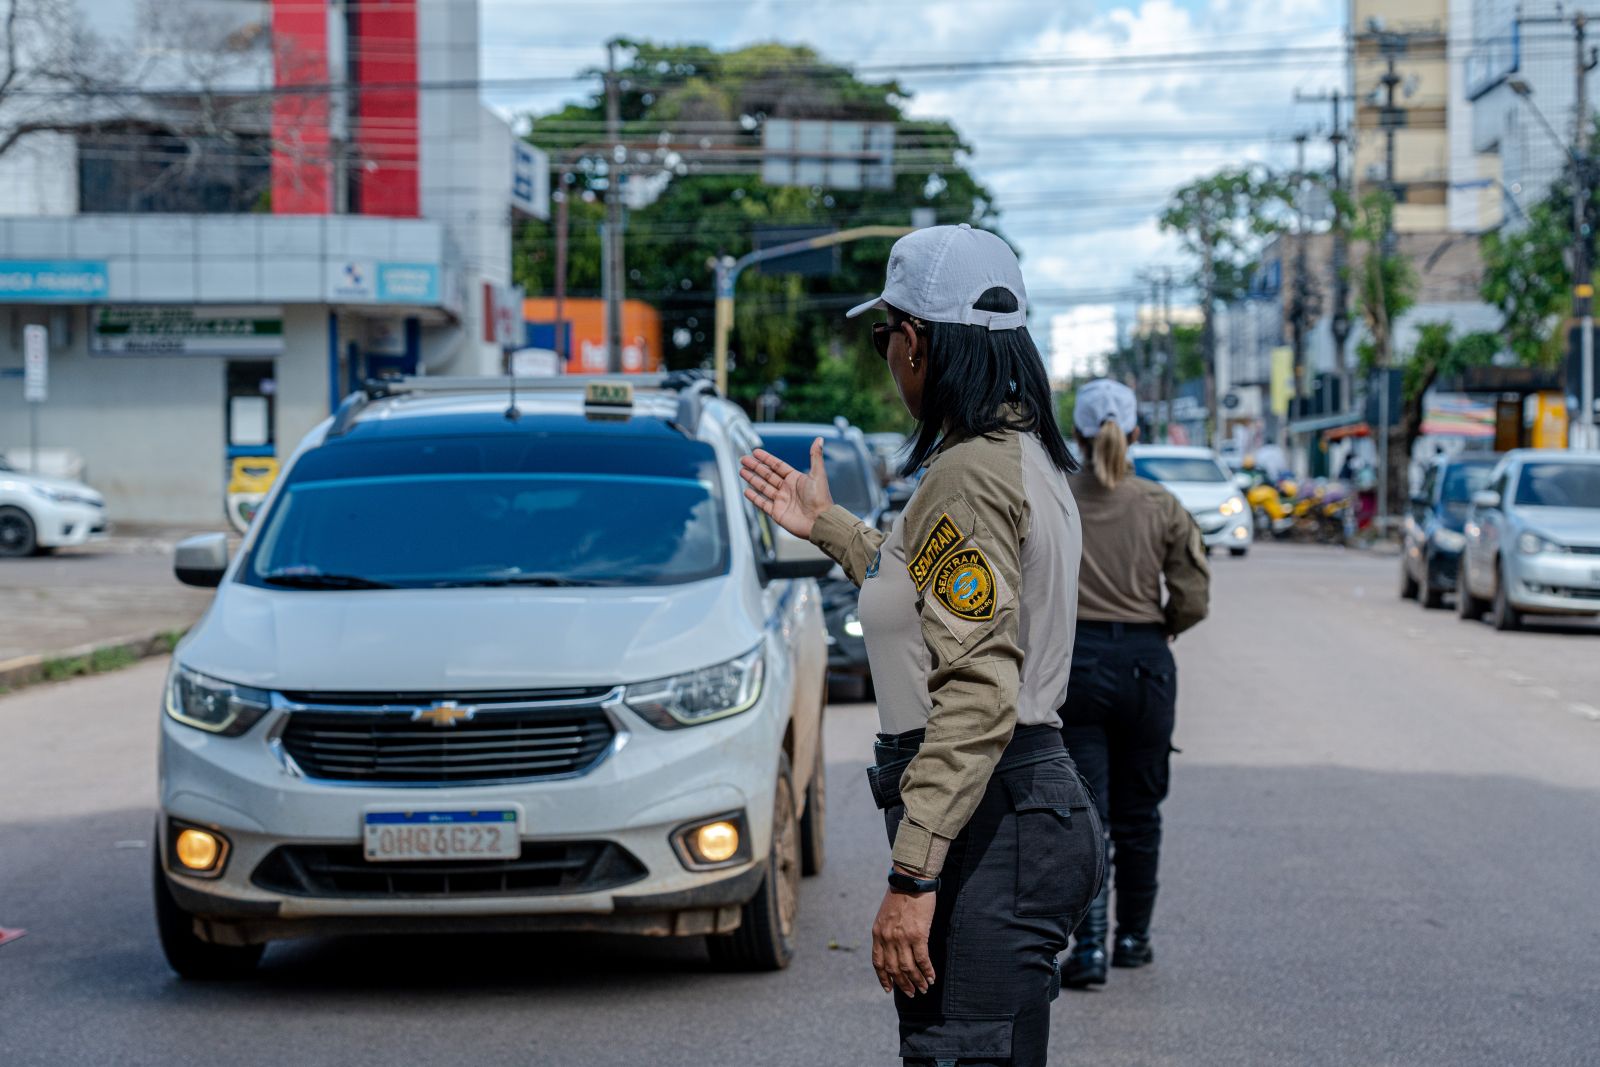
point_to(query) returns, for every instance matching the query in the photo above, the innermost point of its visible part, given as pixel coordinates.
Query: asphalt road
(1381, 849)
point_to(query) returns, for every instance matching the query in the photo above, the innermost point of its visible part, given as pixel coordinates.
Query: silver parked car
(1533, 539)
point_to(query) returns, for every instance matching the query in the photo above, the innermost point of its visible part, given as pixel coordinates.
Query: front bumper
(1224, 531)
(70, 524)
(651, 783)
(1565, 583)
(1444, 567)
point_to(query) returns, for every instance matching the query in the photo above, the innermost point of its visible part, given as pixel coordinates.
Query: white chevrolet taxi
(482, 667)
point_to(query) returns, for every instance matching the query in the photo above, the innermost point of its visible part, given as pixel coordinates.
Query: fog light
(198, 850)
(1240, 533)
(716, 842)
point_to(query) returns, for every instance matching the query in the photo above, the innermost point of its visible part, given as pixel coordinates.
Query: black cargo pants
(1117, 723)
(1016, 881)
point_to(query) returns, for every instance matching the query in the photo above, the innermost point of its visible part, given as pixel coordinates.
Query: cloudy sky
(1081, 157)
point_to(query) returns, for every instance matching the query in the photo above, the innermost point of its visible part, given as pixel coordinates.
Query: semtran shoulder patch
(965, 584)
(940, 541)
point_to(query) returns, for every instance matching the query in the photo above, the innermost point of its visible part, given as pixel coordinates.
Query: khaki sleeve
(1187, 573)
(963, 532)
(851, 543)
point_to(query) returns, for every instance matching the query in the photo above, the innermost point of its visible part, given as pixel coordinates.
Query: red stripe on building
(302, 163)
(383, 55)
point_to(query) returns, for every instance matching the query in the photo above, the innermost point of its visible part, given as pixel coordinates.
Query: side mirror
(1486, 499)
(886, 519)
(1419, 502)
(1242, 481)
(899, 497)
(201, 560)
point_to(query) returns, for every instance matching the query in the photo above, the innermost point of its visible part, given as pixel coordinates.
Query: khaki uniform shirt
(968, 608)
(1134, 536)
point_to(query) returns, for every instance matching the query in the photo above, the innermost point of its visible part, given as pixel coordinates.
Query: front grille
(543, 868)
(504, 742)
(1585, 550)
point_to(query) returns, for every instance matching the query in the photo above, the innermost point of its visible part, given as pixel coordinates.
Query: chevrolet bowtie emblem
(444, 713)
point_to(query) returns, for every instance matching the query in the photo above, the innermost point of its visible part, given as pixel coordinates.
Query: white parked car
(1202, 485)
(38, 513)
(469, 671)
(1533, 539)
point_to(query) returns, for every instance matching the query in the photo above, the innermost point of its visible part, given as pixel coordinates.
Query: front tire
(18, 535)
(1506, 616)
(765, 938)
(186, 954)
(1468, 607)
(1432, 595)
(813, 832)
(1408, 584)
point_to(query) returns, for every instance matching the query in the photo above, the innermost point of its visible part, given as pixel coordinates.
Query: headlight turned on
(1531, 544)
(212, 705)
(1232, 506)
(701, 696)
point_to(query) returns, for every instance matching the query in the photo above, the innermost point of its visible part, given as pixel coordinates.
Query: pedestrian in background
(1118, 717)
(968, 608)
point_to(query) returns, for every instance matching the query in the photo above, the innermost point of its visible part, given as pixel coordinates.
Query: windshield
(1179, 469)
(542, 509)
(847, 475)
(1559, 485)
(1461, 480)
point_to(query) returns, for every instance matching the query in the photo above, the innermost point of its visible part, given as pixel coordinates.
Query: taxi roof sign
(604, 394)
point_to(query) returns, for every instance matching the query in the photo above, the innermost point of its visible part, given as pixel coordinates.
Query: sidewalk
(77, 599)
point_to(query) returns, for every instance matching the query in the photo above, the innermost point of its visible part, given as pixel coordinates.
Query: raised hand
(794, 500)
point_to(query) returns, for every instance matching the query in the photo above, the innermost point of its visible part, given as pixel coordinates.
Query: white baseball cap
(1104, 399)
(937, 273)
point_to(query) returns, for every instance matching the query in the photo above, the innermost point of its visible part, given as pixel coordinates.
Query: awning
(1339, 433)
(1326, 422)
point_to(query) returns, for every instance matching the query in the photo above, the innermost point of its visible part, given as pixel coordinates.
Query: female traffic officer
(1119, 709)
(968, 608)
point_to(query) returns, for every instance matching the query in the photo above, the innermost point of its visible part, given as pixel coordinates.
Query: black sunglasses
(883, 332)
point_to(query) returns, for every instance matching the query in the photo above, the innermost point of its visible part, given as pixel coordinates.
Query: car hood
(44, 481)
(1201, 496)
(441, 640)
(1570, 526)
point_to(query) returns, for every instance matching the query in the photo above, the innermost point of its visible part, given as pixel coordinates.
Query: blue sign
(408, 283)
(51, 281)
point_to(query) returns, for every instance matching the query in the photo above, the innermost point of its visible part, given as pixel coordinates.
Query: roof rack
(692, 387)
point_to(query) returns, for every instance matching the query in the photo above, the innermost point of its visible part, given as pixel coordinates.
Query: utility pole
(563, 225)
(1582, 274)
(1339, 321)
(614, 273)
(1301, 293)
(1169, 370)
(1391, 120)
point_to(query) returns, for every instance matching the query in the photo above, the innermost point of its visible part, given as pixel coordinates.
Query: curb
(30, 670)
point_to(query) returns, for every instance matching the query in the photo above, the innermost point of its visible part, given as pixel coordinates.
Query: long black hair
(974, 376)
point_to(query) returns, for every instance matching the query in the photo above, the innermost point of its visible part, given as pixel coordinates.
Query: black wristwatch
(906, 883)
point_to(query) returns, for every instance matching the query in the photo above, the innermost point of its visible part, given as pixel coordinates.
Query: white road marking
(1547, 692)
(1587, 711)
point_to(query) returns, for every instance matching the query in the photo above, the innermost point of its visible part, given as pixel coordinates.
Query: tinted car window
(1179, 469)
(1559, 485)
(540, 509)
(847, 472)
(1461, 480)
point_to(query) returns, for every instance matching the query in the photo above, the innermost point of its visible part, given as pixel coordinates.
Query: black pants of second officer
(1017, 880)
(1117, 724)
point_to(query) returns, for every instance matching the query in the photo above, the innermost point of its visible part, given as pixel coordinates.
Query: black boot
(1086, 963)
(1132, 946)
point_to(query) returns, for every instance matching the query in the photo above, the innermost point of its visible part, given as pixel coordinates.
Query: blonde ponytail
(1110, 454)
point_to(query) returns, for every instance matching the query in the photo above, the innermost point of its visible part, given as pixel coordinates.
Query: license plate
(393, 836)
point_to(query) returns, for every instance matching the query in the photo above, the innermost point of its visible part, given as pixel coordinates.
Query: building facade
(208, 305)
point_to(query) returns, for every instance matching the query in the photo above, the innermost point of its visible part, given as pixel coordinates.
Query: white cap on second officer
(1104, 399)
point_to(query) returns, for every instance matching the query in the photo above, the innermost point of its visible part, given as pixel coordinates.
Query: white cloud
(1085, 156)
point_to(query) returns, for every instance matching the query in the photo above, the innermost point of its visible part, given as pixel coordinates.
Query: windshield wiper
(550, 581)
(295, 580)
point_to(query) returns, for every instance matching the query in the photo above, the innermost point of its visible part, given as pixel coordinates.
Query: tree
(1527, 276)
(1223, 220)
(1385, 284)
(692, 117)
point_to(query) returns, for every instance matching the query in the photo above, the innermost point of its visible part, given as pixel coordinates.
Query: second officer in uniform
(1118, 716)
